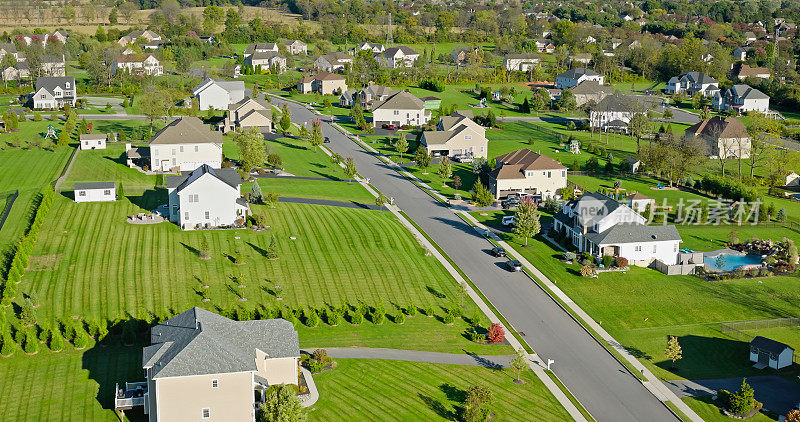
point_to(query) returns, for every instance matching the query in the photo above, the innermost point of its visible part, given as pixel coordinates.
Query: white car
(508, 220)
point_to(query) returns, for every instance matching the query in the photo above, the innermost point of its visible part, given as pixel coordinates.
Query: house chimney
(197, 325)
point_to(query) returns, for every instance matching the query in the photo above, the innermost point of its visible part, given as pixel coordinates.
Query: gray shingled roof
(698, 77)
(577, 72)
(227, 175)
(389, 52)
(634, 233)
(51, 82)
(769, 345)
(200, 342)
(746, 92)
(401, 101)
(627, 103)
(94, 185)
(186, 130)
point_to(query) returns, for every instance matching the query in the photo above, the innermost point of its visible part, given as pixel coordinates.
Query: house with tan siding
(203, 366)
(456, 135)
(524, 171)
(725, 137)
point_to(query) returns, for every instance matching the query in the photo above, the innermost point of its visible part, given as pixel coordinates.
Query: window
(637, 248)
(67, 85)
(196, 148)
(549, 174)
(467, 137)
(563, 173)
(654, 248)
(214, 383)
(173, 151)
(173, 161)
(206, 413)
(44, 96)
(208, 216)
(196, 198)
(181, 148)
(174, 209)
(397, 112)
(186, 215)
(155, 152)
(107, 192)
(82, 193)
(675, 248)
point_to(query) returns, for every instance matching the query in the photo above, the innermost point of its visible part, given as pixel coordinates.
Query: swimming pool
(731, 262)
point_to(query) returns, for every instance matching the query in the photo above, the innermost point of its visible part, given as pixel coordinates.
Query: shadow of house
(111, 365)
(150, 199)
(711, 357)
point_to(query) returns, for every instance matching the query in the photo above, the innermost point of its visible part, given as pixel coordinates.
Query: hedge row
(728, 188)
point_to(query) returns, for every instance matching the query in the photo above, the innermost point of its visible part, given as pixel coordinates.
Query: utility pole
(775, 48)
(389, 32)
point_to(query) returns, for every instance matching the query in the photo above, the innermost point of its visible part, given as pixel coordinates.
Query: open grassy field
(107, 165)
(642, 307)
(94, 263)
(298, 157)
(316, 189)
(423, 391)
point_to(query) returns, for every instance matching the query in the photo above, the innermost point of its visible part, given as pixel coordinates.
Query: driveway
(602, 384)
(777, 393)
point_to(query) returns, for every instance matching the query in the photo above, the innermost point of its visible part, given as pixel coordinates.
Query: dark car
(510, 203)
(514, 265)
(498, 251)
(326, 140)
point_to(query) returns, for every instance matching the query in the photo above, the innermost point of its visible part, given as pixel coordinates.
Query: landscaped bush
(311, 317)
(56, 341)
(81, 339)
(379, 314)
(474, 336)
(9, 346)
(448, 319)
(607, 260)
(621, 262)
(569, 256)
(428, 311)
(31, 344)
(411, 309)
(495, 333)
(478, 404)
(728, 188)
(400, 317)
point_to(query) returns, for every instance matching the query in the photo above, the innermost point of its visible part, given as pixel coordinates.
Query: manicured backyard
(642, 307)
(424, 391)
(317, 189)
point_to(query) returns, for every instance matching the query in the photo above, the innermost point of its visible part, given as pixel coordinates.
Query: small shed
(93, 141)
(634, 164)
(639, 202)
(767, 352)
(95, 192)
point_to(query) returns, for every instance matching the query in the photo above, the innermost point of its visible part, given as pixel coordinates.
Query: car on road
(389, 126)
(507, 220)
(327, 140)
(514, 265)
(498, 251)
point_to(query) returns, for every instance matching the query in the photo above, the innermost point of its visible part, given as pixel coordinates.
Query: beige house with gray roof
(400, 109)
(456, 135)
(203, 366)
(184, 145)
(524, 171)
(246, 114)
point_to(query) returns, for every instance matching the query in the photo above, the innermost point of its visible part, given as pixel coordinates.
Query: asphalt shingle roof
(94, 185)
(634, 233)
(186, 130)
(200, 342)
(577, 72)
(719, 127)
(769, 345)
(51, 82)
(227, 175)
(401, 101)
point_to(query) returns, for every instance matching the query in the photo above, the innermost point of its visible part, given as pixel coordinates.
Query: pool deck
(713, 254)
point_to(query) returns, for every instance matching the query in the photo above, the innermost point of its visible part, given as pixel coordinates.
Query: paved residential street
(778, 394)
(600, 382)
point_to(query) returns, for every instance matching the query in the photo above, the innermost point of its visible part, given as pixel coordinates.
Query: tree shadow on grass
(263, 252)
(435, 292)
(438, 407)
(453, 393)
(191, 249)
(121, 159)
(637, 353)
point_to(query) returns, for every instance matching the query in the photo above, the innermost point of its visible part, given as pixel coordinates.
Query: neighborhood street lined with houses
(399, 211)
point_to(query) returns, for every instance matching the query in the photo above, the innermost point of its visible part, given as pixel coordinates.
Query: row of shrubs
(21, 255)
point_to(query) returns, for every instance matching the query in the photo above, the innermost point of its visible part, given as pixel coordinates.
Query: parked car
(463, 158)
(514, 265)
(510, 203)
(389, 126)
(508, 220)
(498, 251)
(326, 140)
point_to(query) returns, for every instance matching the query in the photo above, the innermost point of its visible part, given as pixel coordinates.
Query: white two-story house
(600, 225)
(741, 98)
(206, 197)
(397, 57)
(54, 92)
(184, 145)
(691, 83)
(524, 171)
(138, 64)
(400, 109)
(577, 75)
(218, 95)
(615, 111)
(203, 366)
(456, 135)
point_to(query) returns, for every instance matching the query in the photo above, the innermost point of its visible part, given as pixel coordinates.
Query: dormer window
(67, 85)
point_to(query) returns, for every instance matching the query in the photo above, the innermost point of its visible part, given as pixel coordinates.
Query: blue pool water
(732, 262)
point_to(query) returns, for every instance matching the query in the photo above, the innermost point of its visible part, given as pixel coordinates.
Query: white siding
(95, 195)
(187, 157)
(207, 200)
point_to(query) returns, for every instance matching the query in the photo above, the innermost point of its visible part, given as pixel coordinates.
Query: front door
(164, 165)
(763, 358)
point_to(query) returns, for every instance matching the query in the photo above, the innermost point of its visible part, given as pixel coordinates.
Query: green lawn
(424, 391)
(710, 412)
(788, 335)
(638, 183)
(643, 307)
(298, 157)
(94, 263)
(709, 238)
(107, 165)
(317, 189)
(70, 385)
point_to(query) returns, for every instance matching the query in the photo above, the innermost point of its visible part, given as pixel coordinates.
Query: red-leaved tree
(495, 333)
(793, 416)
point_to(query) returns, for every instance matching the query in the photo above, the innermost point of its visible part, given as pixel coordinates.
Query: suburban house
(95, 192)
(325, 83)
(600, 225)
(520, 62)
(397, 57)
(691, 83)
(725, 137)
(206, 197)
(367, 46)
(348, 98)
(590, 91)
(138, 64)
(135, 35)
(639, 202)
(740, 53)
(93, 141)
(770, 353)
(577, 75)
(333, 62)
(10, 48)
(248, 113)
(153, 45)
(456, 135)
(17, 72)
(524, 171)
(580, 58)
(792, 179)
(372, 94)
(633, 163)
(262, 47)
(266, 61)
(54, 92)
(462, 56)
(295, 47)
(615, 111)
(184, 145)
(746, 71)
(400, 109)
(741, 98)
(218, 95)
(52, 65)
(201, 365)
(544, 45)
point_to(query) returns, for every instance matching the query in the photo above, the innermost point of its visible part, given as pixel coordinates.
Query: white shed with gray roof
(95, 192)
